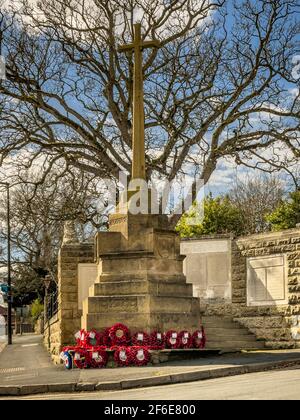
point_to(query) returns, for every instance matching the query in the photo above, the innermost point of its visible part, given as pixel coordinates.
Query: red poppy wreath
(140, 355)
(119, 335)
(98, 357)
(199, 339)
(172, 340)
(186, 340)
(93, 338)
(81, 358)
(157, 340)
(140, 339)
(123, 356)
(80, 337)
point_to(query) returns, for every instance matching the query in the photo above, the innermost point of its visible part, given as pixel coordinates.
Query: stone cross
(138, 136)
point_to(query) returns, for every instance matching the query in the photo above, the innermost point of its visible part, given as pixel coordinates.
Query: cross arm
(124, 48)
(146, 44)
(151, 44)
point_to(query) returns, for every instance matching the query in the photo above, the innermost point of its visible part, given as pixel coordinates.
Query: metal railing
(52, 305)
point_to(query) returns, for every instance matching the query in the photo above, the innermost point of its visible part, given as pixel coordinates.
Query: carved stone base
(141, 281)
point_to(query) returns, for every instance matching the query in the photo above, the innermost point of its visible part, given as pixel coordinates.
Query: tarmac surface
(254, 386)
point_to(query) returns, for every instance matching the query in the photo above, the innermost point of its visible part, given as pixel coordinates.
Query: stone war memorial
(133, 273)
(244, 291)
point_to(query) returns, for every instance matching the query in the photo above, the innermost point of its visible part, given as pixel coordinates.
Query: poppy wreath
(81, 358)
(157, 340)
(172, 340)
(98, 357)
(119, 335)
(93, 338)
(123, 356)
(140, 355)
(66, 357)
(140, 339)
(80, 337)
(186, 341)
(199, 339)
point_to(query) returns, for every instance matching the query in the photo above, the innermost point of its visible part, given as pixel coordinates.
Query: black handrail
(52, 305)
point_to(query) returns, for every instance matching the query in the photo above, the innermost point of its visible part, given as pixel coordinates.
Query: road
(276, 385)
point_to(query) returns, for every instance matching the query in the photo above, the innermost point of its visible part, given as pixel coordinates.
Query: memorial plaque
(207, 266)
(266, 280)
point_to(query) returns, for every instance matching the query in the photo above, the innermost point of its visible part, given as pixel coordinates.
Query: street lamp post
(9, 293)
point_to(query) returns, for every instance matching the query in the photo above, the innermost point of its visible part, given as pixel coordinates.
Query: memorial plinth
(140, 278)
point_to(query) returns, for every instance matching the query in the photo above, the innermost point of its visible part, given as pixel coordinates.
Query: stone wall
(68, 319)
(52, 339)
(278, 325)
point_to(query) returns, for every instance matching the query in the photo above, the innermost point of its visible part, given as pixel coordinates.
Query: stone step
(224, 333)
(139, 303)
(223, 325)
(221, 332)
(142, 287)
(235, 345)
(246, 338)
(132, 277)
(214, 318)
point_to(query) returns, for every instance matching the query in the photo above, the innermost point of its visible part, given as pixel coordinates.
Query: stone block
(33, 389)
(62, 387)
(108, 386)
(9, 390)
(146, 382)
(85, 387)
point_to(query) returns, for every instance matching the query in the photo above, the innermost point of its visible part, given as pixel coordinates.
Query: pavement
(255, 386)
(26, 369)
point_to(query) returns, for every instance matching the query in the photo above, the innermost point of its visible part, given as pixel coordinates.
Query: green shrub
(36, 309)
(220, 216)
(287, 214)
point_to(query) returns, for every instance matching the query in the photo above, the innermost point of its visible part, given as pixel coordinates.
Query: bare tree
(256, 197)
(220, 87)
(38, 216)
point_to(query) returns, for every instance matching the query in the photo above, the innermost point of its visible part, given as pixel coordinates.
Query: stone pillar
(238, 275)
(68, 319)
(70, 316)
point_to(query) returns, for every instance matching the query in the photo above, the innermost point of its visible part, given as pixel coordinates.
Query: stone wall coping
(270, 235)
(78, 245)
(212, 237)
